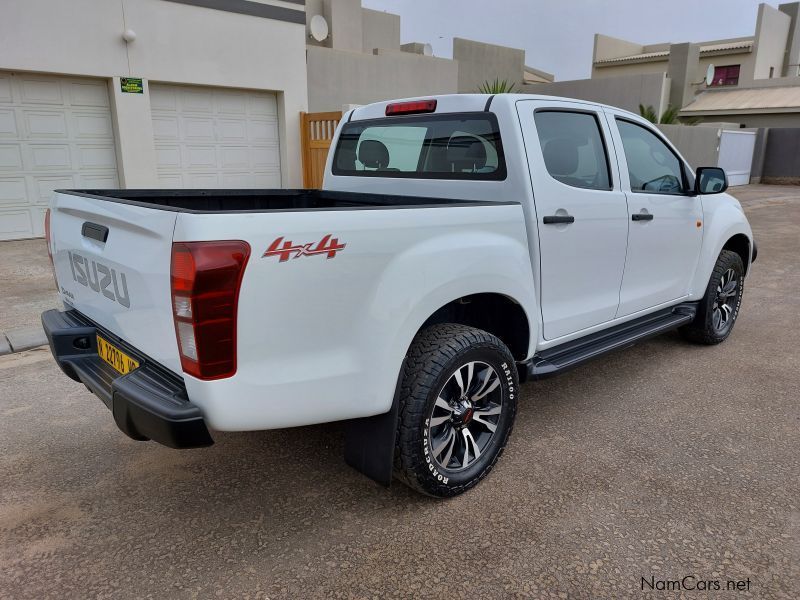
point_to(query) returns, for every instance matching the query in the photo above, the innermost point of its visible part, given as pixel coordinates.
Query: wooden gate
(316, 132)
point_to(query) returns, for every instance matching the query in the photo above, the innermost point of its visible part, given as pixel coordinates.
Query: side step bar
(570, 354)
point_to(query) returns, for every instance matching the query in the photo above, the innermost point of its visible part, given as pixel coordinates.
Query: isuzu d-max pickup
(460, 245)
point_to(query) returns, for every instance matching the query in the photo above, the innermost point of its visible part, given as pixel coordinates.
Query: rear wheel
(717, 311)
(457, 407)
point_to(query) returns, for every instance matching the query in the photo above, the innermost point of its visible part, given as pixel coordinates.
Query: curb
(20, 339)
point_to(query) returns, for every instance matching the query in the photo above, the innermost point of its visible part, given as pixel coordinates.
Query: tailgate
(112, 263)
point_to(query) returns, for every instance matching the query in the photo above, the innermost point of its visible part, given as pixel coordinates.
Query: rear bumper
(149, 403)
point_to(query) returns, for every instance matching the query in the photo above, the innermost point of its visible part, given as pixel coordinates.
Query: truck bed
(273, 200)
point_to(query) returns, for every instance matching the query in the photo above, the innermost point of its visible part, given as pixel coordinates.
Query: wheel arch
(495, 313)
(740, 244)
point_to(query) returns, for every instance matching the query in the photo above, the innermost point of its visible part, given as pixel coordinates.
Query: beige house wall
(174, 43)
(339, 77)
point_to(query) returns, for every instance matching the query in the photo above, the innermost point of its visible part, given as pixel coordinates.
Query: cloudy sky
(558, 35)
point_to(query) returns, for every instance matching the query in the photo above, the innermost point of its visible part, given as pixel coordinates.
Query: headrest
(465, 152)
(561, 156)
(346, 158)
(373, 154)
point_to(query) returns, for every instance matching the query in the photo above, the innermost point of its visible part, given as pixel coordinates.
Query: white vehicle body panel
(333, 350)
(588, 254)
(138, 258)
(323, 339)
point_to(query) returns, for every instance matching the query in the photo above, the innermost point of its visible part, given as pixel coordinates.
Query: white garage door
(55, 132)
(215, 138)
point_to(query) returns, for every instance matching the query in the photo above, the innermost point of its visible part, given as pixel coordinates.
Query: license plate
(121, 362)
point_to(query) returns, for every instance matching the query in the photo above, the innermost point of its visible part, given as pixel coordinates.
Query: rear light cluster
(49, 240)
(206, 277)
(414, 107)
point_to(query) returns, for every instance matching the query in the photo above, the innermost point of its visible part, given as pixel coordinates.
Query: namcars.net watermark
(692, 583)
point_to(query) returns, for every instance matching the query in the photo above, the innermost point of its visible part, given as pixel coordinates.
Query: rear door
(581, 213)
(666, 223)
(112, 263)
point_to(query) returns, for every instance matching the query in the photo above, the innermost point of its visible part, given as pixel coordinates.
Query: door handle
(94, 231)
(558, 219)
(642, 217)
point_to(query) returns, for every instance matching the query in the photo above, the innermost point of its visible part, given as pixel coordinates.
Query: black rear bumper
(149, 403)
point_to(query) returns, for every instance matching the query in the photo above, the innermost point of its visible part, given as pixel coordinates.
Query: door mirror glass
(710, 180)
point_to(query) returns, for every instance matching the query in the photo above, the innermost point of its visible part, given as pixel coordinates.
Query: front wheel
(717, 311)
(457, 406)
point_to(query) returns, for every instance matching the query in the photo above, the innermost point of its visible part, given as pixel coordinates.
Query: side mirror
(710, 180)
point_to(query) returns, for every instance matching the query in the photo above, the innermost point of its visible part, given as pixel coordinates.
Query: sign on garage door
(215, 138)
(55, 132)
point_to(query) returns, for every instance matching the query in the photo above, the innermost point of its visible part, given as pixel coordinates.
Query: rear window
(448, 146)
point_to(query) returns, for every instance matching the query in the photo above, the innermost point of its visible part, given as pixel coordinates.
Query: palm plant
(496, 87)
(668, 117)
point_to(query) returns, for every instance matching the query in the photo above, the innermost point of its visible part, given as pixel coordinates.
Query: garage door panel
(41, 90)
(196, 101)
(262, 130)
(201, 180)
(265, 105)
(211, 137)
(199, 157)
(88, 94)
(96, 157)
(97, 181)
(170, 181)
(233, 130)
(168, 157)
(232, 157)
(12, 191)
(163, 98)
(5, 89)
(198, 129)
(15, 224)
(231, 103)
(43, 187)
(267, 180)
(10, 157)
(48, 125)
(92, 125)
(55, 132)
(41, 157)
(8, 123)
(165, 128)
(266, 157)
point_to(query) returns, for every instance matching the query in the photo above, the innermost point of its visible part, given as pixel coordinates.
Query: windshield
(448, 146)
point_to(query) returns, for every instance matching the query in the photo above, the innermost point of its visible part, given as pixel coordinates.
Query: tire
(717, 311)
(455, 379)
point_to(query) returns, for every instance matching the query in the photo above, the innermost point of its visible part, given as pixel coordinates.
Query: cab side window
(652, 165)
(573, 148)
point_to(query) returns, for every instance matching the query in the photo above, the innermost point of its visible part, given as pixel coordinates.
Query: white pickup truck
(460, 245)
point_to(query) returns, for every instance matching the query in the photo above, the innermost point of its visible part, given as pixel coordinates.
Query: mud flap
(369, 442)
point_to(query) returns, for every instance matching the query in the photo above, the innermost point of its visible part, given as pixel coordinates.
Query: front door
(666, 223)
(580, 211)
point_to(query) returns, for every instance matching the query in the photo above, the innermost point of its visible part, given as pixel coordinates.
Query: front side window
(652, 165)
(573, 148)
(447, 146)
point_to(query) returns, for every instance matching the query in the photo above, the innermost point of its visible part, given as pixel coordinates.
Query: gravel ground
(661, 461)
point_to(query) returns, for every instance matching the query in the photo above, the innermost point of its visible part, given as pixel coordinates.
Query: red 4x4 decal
(286, 250)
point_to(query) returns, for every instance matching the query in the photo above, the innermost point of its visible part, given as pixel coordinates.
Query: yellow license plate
(121, 362)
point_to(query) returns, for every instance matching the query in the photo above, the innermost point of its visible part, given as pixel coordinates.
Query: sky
(558, 35)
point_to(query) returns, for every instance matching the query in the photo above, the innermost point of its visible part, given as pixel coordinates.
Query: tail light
(414, 107)
(49, 244)
(206, 277)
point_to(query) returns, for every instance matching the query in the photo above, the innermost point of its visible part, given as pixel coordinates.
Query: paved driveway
(659, 462)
